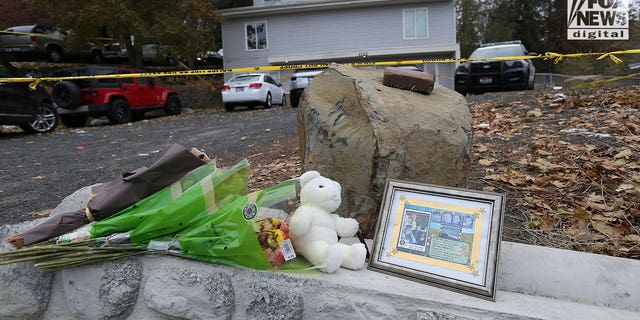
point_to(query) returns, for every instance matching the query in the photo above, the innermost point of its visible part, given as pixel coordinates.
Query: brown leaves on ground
(569, 164)
(269, 164)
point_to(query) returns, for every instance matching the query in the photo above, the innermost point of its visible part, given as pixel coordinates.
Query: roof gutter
(288, 8)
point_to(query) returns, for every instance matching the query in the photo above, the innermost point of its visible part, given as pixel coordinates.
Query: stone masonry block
(411, 80)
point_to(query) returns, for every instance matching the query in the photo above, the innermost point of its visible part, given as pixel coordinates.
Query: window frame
(415, 27)
(254, 24)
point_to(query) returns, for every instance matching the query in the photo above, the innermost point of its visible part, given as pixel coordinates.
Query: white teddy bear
(315, 230)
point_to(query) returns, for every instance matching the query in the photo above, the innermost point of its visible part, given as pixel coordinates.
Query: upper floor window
(415, 23)
(256, 35)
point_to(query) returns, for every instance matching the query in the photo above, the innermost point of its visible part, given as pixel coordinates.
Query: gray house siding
(343, 35)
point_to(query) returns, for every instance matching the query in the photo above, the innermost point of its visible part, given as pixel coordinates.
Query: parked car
(40, 40)
(490, 75)
(152, 54)
(209, 59)
(252, 89)
(120, 99)
(32, 110)
(299, 80)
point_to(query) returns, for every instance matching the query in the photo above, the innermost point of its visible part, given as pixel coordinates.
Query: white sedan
(252, 89)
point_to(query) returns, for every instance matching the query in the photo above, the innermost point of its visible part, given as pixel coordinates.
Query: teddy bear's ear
(308, 176)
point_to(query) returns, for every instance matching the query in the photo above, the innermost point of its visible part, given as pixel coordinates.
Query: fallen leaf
(624, 187)
(485, 162)
(632, 238)
(626, 153)
(534, 113)
(609, 231)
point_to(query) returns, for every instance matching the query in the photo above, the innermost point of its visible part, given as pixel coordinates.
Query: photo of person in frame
(435, 217)
(446, 218)
(457, 220)
(411, 221)
(468, 221)
(407, 235)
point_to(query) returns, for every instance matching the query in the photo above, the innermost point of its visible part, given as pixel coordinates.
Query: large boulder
(359, 132)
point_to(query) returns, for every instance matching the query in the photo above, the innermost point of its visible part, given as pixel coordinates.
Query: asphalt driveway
(38, 171)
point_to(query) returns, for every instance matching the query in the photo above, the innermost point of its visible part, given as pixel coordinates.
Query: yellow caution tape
(32, 34)
(599, 82)
(556, 57)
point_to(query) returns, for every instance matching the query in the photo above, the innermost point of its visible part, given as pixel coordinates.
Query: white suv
(299, 80)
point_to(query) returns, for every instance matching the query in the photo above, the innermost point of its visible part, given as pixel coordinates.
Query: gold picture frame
(444, 236)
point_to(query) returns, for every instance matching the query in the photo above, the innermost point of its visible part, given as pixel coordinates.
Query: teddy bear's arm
(345, 227)
(300, 222)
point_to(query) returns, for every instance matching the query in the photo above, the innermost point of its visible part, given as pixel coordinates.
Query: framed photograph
(443, 236)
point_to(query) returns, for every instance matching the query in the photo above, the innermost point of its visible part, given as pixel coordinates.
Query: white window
(415, 23)
(256, 35)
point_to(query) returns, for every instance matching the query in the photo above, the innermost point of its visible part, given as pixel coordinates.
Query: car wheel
(73, 120)
(66, 94)
(268, 102)
(173, 106)
(45, 119)
(229, 107)
(531, 84)
(284, 101)
(119, 112)
(54, 54)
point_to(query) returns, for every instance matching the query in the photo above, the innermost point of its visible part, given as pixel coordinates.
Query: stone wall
(158, 287)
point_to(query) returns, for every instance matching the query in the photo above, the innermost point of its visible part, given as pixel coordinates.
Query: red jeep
(120, 99)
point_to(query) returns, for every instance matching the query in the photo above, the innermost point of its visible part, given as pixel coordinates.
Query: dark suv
(494, 75)
(31, 110)
(120, 99)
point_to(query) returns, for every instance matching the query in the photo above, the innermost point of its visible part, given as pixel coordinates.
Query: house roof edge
(244, 12)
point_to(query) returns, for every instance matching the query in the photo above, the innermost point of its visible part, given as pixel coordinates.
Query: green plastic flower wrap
(251, 231)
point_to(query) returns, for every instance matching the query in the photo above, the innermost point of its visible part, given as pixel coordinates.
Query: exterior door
(149, 94)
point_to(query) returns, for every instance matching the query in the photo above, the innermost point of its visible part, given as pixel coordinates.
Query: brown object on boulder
(357, 131)
(416, 81)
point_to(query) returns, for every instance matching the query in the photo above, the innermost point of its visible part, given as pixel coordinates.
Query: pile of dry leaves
(567, 161)
(569, 164)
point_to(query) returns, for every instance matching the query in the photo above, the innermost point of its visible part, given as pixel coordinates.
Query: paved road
(38, 171)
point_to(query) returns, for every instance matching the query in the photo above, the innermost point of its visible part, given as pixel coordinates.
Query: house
(293, 32)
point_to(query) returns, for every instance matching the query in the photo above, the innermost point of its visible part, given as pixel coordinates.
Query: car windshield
(497, 52)
(246, 78)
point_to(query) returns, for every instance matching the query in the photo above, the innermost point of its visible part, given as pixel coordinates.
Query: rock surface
(359, 132)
